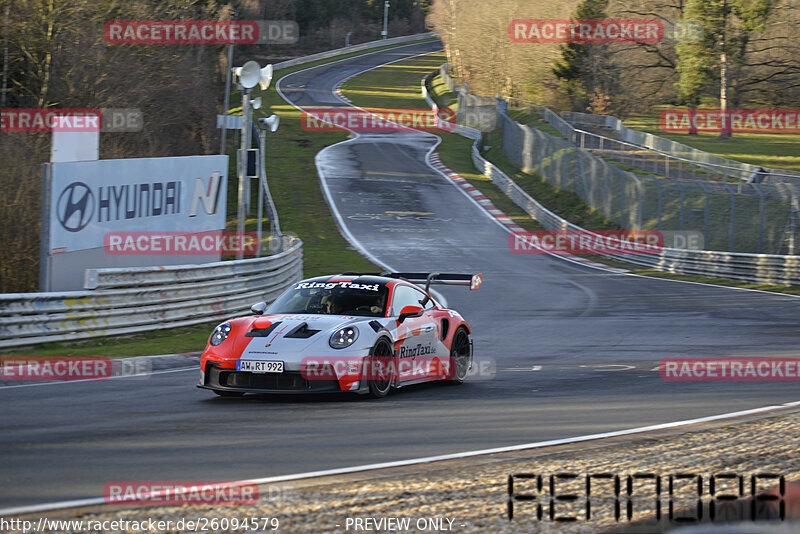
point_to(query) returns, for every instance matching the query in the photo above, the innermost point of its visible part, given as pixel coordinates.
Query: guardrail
(718, 164)
(649, 152)
(139, 299)
(753, 268)
(355, 48)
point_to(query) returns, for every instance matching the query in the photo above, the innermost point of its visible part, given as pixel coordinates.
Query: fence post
(680, 218)
(760, 217)
(705, 212)
(733, 216)
(660, 202)
(638, 222)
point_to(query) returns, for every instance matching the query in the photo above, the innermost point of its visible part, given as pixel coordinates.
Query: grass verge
(765, 149)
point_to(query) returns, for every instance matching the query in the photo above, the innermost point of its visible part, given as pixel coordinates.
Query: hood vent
(302, 331)
(262, 332)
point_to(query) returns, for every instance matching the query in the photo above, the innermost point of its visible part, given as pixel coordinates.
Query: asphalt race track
(575, 351)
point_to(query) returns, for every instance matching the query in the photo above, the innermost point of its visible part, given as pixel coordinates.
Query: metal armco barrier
(753, 268)
(355, 48)
(128, 300)
(717, 164)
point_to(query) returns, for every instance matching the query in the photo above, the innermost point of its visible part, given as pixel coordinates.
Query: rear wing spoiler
(474, 281)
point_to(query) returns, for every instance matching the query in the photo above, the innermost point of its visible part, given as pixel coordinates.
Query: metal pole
(760, 218)
(5, 56)
(733, 220)
(705, 213)
(225, 104)
(262, 171)
(242, 164)
(732, 228)
(384, 33)
(660, 201)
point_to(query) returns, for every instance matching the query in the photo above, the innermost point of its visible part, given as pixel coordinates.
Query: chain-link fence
(738, 217)
(692, 159)
(733, 217)
(475, 111)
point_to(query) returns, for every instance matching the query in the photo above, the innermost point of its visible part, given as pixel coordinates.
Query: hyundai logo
(75, 207)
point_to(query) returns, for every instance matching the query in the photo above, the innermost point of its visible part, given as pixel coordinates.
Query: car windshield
(333, 298)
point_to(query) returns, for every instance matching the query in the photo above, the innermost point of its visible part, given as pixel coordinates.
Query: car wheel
(460, 358)
(381, 368)
(229, 393)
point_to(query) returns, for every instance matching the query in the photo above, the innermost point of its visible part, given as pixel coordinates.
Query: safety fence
(732, 217)
(670, 159)
(749, 267)
(717, 165)
(139, 299)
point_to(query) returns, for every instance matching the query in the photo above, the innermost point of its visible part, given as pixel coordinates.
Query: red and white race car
(364, 333)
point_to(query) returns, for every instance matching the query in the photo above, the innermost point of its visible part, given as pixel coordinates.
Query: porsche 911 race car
(362, 333)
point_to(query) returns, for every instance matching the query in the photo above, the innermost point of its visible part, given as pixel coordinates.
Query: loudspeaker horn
(266, 77)
(270, 122)
(249, 74)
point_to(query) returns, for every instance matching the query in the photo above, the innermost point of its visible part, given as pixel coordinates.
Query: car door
(416, 336)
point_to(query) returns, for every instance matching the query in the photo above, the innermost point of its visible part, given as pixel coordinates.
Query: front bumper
(217, 378)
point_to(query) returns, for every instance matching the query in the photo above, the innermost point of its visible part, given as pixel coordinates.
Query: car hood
(292, 337)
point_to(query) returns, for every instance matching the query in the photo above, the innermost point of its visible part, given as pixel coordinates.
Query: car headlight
(220, 333)
(344, 337)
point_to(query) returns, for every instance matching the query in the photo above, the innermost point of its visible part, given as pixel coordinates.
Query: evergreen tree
(728, 26)
(574, 67)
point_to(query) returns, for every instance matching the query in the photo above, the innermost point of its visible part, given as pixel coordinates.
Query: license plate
(259, 366)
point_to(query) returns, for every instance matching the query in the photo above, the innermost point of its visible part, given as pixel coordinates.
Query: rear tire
(380, 369)
(460, 356)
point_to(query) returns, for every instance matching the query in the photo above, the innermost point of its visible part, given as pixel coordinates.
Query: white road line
(62, 382)
(416, 461)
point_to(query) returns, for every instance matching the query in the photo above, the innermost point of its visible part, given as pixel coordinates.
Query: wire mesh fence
(675, 155)
(740, 217)
(679, 195)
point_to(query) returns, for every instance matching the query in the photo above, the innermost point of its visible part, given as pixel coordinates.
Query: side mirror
(409, 311)
(258, 308)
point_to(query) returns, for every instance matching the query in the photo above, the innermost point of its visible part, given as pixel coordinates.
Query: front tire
(380, 369)
(460, 356)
